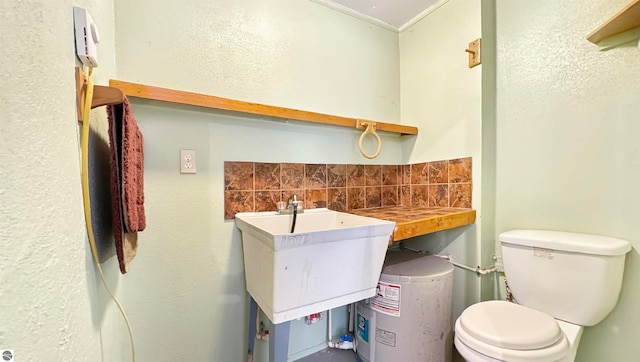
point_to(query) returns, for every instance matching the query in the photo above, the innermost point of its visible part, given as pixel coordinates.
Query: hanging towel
(126, 180)
(132, 161)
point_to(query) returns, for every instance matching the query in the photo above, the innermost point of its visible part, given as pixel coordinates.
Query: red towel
(132, 163)
(127, 192)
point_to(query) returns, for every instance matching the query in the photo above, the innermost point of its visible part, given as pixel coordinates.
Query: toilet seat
(511, 332)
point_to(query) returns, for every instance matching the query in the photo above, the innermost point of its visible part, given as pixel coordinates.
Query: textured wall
(442, 96)
(186, 291)
(568, 154)
(262, 51)
(439, 93)
(48, 294)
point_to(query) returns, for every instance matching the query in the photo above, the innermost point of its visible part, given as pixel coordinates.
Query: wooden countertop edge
(408, 229)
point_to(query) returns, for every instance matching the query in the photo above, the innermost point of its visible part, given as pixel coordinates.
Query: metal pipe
(329, 337)
(477, 269)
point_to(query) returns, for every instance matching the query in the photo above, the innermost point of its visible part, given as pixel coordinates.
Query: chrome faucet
(294, 204)
(293, 201)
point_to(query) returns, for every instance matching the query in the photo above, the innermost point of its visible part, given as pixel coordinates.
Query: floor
(331, 355)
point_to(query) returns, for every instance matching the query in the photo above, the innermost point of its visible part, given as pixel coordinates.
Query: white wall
(442, 96)
(568, 154)
(48, 301)
(185, 293)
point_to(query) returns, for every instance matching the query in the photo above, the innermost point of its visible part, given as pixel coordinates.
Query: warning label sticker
(387, 299)
(385, 337)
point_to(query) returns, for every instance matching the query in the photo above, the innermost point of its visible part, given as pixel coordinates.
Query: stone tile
(258, 186)
(238, 175)
(460, 195)
(267, 176)
(266, 200)
(420, 174)
(406, 174)
(336, 175)
(460, 170)
(373, 196)
(390, 175)
(337, 198)
(405, 195)
(438, 172)
(237, 201)
(355, 198)
(419, 195)
(292, 176)
(438, 195)
(390, 195)
(373, 175)
(315, 198)
(315, 176)
(355, 175)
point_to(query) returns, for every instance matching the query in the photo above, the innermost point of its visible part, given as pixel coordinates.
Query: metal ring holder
(370, 129)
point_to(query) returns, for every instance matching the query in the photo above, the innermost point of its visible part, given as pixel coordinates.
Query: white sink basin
(332, 259)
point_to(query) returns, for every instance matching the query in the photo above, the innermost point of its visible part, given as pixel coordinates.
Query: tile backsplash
(257, 186)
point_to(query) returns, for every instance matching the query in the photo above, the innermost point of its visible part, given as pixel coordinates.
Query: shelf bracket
(102, 95)
(619, 39)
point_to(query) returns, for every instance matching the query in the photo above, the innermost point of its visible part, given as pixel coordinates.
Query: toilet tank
(572, 277)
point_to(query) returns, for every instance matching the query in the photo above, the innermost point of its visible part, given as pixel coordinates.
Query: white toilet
(561, 282)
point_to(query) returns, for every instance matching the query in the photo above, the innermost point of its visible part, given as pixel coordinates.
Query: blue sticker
(363, 328)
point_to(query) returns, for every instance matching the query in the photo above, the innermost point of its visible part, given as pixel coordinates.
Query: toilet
(561, 282)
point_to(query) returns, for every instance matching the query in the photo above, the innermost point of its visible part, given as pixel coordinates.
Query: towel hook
(370, 129)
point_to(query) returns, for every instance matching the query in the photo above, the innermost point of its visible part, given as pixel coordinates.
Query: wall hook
(474, 53)
(370, 129)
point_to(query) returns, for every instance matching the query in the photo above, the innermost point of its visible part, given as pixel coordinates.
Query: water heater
(409, 319)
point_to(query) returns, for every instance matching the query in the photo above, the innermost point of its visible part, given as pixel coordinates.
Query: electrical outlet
(187, 161)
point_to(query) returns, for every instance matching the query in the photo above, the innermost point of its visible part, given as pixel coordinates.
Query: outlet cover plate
(188, 161)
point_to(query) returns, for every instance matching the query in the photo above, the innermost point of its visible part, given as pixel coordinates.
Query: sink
(332, 259)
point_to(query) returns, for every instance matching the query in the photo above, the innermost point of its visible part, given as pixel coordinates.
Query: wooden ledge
(209, 101)
(415, 221)
(625, 20)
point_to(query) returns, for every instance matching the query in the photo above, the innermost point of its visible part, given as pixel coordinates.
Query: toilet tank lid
(566, 241)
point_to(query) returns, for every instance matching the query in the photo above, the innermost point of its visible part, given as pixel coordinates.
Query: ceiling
(394, 12)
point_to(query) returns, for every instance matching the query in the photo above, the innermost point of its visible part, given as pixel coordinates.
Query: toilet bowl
(503, 331)
(562, 282)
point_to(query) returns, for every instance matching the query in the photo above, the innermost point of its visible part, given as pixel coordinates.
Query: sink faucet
(294, 203)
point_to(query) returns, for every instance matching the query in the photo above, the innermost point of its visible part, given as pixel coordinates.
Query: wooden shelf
(209, 101)
(416, 221)
(625, 20)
